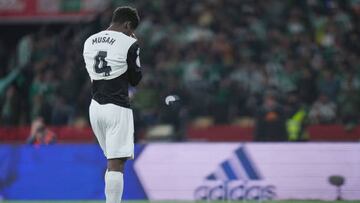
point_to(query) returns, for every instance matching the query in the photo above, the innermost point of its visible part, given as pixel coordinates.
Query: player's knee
(116, 164)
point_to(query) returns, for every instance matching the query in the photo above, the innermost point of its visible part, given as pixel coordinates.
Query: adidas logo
(237, 178)
(239, 167)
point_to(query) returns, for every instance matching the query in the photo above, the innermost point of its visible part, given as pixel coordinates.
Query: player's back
(106, 55)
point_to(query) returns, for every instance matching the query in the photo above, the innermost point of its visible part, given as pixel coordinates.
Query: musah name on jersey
(108, 40)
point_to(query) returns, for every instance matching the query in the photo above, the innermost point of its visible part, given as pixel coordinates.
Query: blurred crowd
(225, 59)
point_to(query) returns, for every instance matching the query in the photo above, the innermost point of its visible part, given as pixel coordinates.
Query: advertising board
(184, 171)
(233, 171)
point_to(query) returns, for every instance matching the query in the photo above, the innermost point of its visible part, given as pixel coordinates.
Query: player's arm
(133, 61)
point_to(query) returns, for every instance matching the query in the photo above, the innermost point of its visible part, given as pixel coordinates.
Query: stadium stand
(223, 66)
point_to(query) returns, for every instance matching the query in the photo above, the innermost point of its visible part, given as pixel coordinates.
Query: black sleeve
(133, 62)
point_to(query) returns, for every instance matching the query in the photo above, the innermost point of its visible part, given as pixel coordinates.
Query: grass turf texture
(288, 201)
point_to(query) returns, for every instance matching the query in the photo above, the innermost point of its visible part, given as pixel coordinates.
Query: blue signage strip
(63, 171)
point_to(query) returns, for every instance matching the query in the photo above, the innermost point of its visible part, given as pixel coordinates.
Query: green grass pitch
(289, 201)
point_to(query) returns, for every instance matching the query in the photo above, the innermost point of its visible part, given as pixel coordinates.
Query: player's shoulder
(109, 35)
(86, 43)
(124, 39)
(92, 36)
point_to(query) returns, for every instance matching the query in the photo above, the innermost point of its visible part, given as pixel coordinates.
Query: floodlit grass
(289, 201)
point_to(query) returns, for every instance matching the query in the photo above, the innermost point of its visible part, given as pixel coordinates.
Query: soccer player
(112, 61)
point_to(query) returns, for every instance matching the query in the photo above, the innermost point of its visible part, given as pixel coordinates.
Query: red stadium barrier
(333, 133)
(216, 133)
(14, 133)
(236, 133)
(64, 134)
(220, 133)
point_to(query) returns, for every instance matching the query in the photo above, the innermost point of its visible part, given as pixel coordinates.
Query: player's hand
(133, 35)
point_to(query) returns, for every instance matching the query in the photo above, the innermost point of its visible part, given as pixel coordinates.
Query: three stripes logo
(236, 178)
(238, 167)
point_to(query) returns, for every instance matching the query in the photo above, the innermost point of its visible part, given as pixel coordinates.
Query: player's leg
(116, 164)
(114, 173)
(119, 148)
(97, 124)
(114, 180)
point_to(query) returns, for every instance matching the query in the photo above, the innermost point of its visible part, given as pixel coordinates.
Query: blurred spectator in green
(10, 107)
(329, 85)
(323, 111)
(62, 113)
(147, 100)
(349, 100)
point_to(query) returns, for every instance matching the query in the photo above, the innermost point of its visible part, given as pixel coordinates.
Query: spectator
(307, 86)
(329, 85)
(10, 107)
(270, 121)
(323, 111)
(61, 112)
(39, 134)
(349, 100)
(296, 118)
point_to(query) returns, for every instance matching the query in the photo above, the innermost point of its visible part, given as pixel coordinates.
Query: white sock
(114, 184)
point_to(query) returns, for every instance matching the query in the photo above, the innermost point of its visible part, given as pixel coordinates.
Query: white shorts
(114, 129)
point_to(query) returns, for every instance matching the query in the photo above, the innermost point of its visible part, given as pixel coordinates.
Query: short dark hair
(126, 13)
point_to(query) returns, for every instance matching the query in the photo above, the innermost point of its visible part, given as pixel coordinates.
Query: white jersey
(105, 54)
(112, 61)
